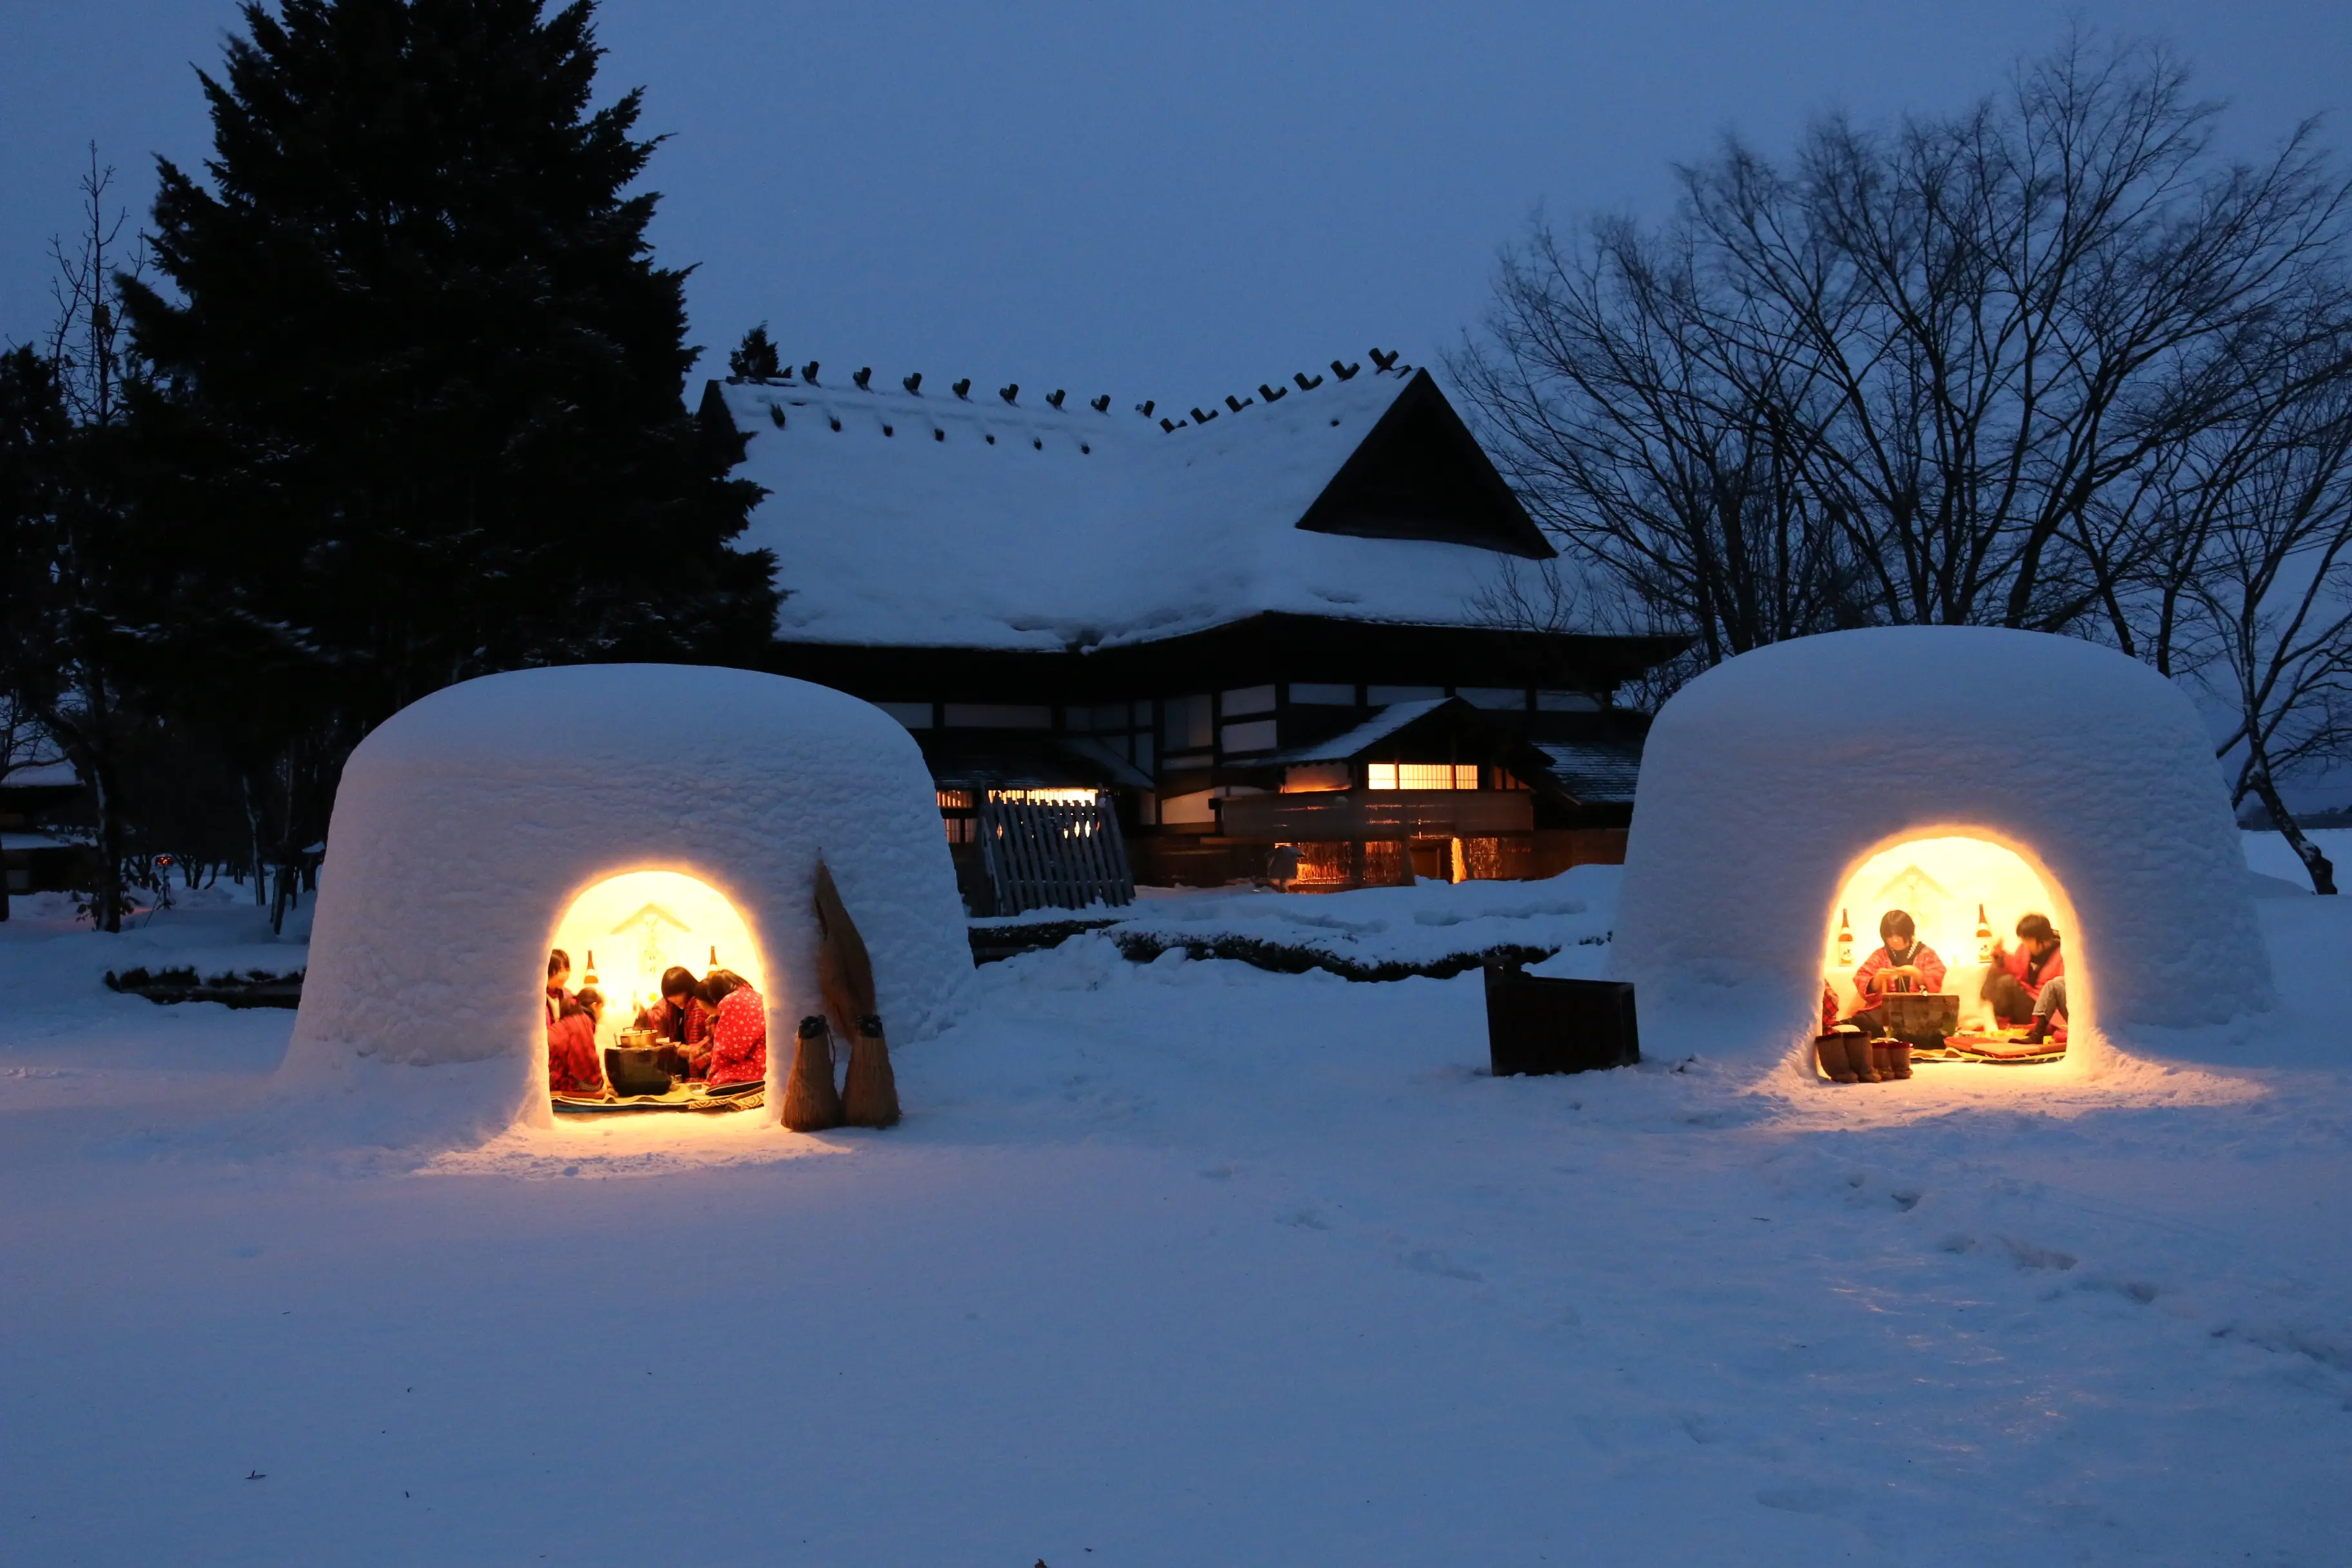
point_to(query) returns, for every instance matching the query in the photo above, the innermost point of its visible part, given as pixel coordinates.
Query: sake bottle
(1984, 937)
(1844, 942)
(588, 980)
(714, 964)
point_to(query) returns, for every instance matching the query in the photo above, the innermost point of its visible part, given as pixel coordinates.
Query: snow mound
(466, 826)
(1370, 930)
(1768, 781)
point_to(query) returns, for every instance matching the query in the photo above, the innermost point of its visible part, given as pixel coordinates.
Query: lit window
(1312, 777)
(1422, 775)
(955, 800)
(1045, 796)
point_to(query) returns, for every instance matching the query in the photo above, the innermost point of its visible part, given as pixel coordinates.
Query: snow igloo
(637, 816)
(1967, 776)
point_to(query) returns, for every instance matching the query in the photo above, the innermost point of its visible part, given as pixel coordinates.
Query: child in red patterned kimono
(681, 1019)
(573, 1065)
(739, 1029)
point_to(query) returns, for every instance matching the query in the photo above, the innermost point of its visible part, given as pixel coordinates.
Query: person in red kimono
(682, 1020)
(573, 1065)
(2019, 980)
(559, 983)
(739, 1029)
(1903, 962)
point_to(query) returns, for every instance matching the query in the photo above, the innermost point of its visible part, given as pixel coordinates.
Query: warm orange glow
(1422, 775)
(1939, 882)
(1314, 778)
(642, 922)
(1045, 796)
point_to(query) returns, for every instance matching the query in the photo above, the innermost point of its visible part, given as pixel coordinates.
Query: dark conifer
(418, 407)
(755, 358)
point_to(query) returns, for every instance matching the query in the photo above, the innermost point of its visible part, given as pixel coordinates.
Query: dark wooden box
(1537, 1025)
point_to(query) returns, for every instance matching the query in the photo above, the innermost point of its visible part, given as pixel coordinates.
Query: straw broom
(870, 1095)
(810, 1103)
(846, 976)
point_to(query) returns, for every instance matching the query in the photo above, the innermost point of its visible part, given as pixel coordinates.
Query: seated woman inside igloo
(666, 1011)
(1968, 964)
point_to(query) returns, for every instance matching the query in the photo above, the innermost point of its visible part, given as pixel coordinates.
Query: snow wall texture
(468, 822)
(1766, 782)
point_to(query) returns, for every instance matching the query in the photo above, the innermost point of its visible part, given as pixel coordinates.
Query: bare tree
(64, 555)
(88, 340)
(2266, 502)
(1918, 376)
(1639, 432)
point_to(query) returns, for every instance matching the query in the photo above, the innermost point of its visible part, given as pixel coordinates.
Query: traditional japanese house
(1273, 621)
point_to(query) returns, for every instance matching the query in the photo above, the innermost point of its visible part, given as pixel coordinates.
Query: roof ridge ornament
(1344, 372)
(808, 373)
(863, 376)
(913, 383)
(1303, 385)
(1010, 393)
(1384, 362)
(962, 389)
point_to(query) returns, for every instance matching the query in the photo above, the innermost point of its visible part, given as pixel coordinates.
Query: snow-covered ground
(1179, 1264)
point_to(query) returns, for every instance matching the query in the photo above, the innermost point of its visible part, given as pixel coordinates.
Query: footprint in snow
(1429, 1261)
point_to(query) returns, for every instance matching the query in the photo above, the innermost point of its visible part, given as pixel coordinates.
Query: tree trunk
(2322, 871)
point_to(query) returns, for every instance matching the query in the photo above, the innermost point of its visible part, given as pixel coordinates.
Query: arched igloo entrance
(1774, 781)
(622, 938)
(491, 821)
(1964, 896)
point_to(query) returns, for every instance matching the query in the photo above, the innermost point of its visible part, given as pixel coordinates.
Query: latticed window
(1422, 775)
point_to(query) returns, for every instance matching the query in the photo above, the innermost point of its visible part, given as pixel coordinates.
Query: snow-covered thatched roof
(925, 519)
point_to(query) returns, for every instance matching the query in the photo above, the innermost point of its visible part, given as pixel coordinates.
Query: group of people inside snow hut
(712, 1031)
(2024, 986)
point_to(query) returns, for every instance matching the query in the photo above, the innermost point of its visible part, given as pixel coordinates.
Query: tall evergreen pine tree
(417, 411)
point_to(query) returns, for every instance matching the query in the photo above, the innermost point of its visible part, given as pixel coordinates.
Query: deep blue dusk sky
(1170, 200)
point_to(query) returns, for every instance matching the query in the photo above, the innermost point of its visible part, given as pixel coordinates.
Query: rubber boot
(2040, 1033)
(1864, 1054)
(1830, 1050)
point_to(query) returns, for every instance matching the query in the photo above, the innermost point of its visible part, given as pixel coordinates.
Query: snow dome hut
(649, 815)
(1967, 776)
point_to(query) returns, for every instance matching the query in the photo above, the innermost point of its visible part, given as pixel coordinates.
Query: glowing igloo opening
(1965, 898)
(620, 937)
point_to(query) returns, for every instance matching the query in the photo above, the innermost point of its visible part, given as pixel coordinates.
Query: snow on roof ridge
(1386, 363)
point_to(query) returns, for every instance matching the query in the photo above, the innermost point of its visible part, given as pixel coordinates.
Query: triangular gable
(1420, 474)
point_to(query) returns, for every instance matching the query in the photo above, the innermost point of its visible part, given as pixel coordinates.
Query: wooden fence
(1053, 857)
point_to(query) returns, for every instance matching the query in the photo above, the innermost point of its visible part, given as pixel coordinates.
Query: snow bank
(466, 825)
(1772, 778)
(1368, 928)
